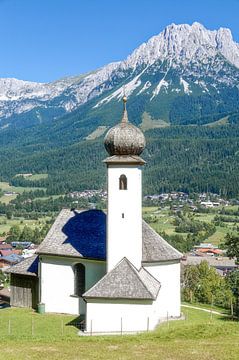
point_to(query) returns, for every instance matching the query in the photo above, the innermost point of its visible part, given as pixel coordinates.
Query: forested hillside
(187, 158)
(182, 89)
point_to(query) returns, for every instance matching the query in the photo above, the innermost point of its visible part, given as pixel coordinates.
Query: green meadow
(201, 336)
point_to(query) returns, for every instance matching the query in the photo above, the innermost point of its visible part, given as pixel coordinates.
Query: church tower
(124, 143)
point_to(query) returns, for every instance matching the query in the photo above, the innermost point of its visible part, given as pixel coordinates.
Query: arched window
(123, 182)
(79, 279)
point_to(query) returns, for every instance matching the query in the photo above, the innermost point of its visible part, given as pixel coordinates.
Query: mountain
(182, 89)
(184, 67)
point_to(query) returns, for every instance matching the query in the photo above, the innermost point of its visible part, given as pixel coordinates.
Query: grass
(7, 198)
(37, 177)
(5, 186)
(6, 224)
(162, 220)
(199, 337)
(222, 121)
(219, 235)
(208, 307)
(97, 133)
(149, 123)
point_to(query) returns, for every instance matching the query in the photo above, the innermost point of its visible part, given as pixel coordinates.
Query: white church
(114, 270)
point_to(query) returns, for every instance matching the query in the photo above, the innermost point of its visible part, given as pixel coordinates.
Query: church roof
(155, 248)
(28, 266)
(125, 282)
(77, 233)
(83, 234)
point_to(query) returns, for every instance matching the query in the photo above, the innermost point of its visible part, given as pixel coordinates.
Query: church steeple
(124, 143)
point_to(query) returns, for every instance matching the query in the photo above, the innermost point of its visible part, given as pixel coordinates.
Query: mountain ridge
(186, 59)
(170, 97)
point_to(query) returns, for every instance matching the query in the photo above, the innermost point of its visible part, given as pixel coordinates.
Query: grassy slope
(5, 186)
(149, 123)
(163, 221)
(199, 337)
(6, 224)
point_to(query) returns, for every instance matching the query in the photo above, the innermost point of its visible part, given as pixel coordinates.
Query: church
(111, 268)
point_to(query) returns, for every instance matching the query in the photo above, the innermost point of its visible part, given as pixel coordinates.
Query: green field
(34, 176)
(17, 189)
(199, 337)
(162, 220)
(149, 123)
(6, 224)
(37, 177)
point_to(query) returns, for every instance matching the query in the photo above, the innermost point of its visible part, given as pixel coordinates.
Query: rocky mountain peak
(184, 42)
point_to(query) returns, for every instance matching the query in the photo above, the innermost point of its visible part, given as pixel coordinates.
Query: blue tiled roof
(12, 258)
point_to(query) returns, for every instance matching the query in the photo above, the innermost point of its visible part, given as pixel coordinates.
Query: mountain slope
(186, 75)
(182, 61)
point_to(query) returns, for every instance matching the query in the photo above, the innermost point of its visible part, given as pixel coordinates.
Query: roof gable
(125, 282)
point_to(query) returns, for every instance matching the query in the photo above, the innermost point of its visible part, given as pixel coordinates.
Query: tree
(14, 234)
(232, 245)
(27, 234)
(201, 283)
(232, 280)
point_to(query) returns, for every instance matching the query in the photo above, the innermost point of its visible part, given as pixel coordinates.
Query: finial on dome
(124, 139)
(125, 114)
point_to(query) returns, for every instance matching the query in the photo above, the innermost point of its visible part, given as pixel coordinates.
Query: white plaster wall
(116, 316)
(57, 283)
(168, 302)
(124, 235)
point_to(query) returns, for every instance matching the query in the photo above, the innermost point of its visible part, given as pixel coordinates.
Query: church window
(79, 279)
(123, 182)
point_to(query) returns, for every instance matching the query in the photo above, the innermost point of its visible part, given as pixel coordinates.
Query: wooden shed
(24, 283)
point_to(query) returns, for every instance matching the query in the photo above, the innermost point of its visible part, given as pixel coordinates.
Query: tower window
(123, 182)
(79, 279)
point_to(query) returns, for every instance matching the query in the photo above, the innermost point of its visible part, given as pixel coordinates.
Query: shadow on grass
(78, 322)
(227, 318)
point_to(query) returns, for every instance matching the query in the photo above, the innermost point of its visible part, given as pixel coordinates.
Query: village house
(112, 269)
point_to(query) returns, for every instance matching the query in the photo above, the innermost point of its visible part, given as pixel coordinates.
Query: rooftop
(83, 234)
(77, 233)
(125, 282)
(29, 266)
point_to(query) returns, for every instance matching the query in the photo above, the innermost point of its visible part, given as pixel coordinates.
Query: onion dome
(124, 138)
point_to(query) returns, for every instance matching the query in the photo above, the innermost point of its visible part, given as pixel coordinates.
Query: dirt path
(206, 310)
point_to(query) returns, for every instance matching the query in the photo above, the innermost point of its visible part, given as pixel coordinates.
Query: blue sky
(44, 40)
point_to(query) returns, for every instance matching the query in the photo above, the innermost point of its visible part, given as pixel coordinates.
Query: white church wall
(168, 302)
(106, 316)
(124, 222)
(57, 283)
